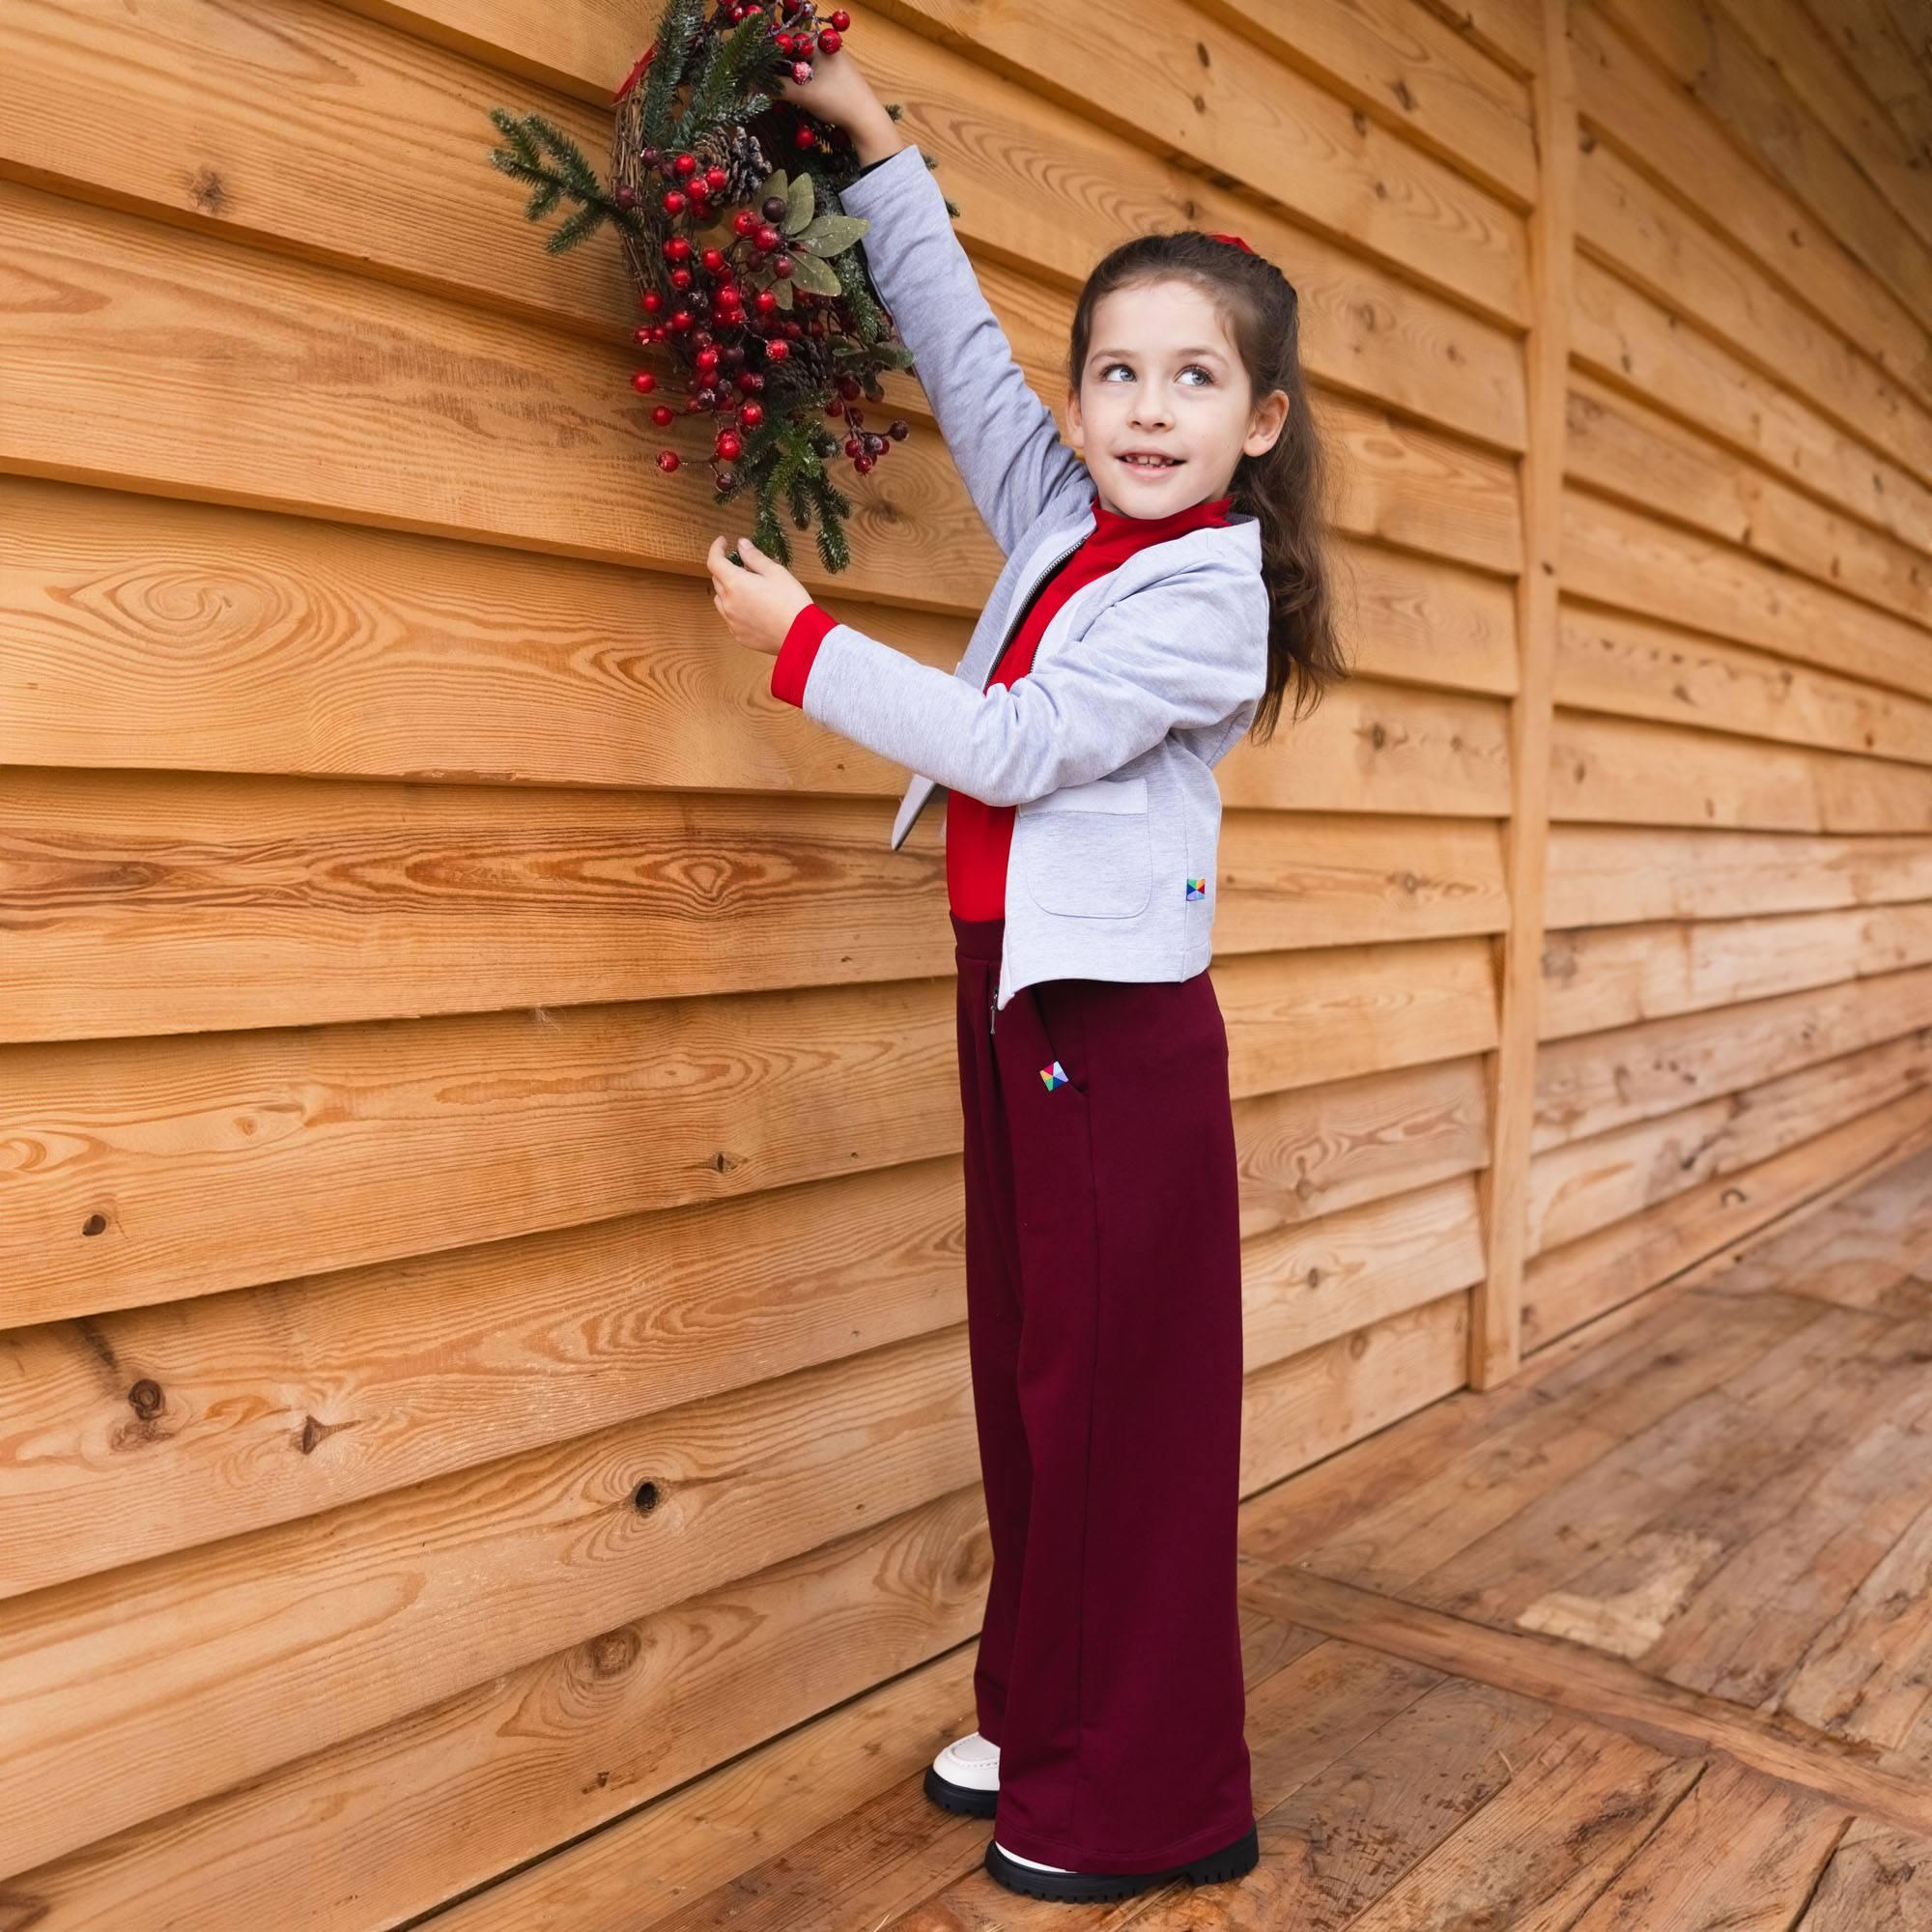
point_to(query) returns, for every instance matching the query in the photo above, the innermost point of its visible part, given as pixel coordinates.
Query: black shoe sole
(1234, 1860)
(961, 1797)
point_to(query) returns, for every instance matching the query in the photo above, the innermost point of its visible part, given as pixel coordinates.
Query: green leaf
(798, 204)
(814, 276)
(774, 183)
(831, 234)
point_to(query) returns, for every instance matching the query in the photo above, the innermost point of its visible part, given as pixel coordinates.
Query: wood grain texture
(483, 1382)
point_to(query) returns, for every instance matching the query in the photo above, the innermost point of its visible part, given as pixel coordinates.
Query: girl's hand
(836, 92)
(758, 600)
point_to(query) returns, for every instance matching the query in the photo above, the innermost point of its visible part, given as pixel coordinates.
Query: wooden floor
(1641, 1640)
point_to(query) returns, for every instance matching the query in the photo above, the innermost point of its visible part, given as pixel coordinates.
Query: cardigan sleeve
(1187, 651)
(1000, 434)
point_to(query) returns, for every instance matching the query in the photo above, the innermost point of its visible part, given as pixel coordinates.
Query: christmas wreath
(746, 271)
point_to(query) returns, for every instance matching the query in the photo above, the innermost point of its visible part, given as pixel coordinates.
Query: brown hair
(1284, 487)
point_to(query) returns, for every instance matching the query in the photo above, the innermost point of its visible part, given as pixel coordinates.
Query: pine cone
(736, 151)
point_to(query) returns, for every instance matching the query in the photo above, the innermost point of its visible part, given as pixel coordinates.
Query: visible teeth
(1152, 461)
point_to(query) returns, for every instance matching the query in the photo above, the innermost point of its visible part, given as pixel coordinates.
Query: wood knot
(616, 1652)
(145, 1397)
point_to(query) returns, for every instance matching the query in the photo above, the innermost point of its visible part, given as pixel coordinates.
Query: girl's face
(1164, 377)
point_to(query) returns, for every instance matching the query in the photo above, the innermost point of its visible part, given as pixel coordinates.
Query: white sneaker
(1034, 1863)
(965, 1776)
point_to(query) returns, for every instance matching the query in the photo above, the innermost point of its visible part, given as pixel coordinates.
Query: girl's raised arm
(1002, 436)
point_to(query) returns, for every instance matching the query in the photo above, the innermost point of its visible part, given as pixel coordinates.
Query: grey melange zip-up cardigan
(1138, 686)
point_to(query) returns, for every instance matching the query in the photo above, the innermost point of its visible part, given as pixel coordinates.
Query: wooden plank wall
(483, 1326)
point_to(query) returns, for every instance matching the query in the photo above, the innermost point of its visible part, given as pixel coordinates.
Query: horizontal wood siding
(482, 1338)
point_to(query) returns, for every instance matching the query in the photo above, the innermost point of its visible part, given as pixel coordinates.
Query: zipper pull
(992, 1011)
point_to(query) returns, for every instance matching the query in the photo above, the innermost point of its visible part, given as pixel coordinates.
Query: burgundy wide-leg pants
(1103, 1289)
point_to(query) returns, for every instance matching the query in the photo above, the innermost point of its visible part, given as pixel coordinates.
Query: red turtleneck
(978, 836)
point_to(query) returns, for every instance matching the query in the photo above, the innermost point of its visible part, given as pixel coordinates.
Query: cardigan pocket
(1089, 849)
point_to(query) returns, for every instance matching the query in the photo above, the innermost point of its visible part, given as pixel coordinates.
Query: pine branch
(833, 510)
(679, 27)
(523, 160)
(734, 62)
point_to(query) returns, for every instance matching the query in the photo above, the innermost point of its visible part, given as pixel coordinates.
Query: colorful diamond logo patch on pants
(1054, 1076)
(1197, 889)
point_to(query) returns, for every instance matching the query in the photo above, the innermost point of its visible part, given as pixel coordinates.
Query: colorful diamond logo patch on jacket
(1197, 889)
(1054, 1076)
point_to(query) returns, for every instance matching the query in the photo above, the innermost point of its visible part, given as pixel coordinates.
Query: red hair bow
(1235, 239)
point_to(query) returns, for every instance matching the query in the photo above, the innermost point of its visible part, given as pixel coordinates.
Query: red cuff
(793, 663)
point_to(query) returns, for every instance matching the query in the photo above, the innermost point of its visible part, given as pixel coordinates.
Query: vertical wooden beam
(1495, 1328)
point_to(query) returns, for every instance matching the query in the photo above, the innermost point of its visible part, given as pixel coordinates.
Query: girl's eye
(1209, 373)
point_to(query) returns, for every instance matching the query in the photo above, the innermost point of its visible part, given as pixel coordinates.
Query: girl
(1159, 588)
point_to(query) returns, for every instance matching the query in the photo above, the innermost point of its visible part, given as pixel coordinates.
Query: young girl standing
(1160, 587)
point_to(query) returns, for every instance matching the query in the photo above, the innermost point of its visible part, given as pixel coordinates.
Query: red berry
(716, 178)
(841, 18)
(678, 249)
(781, 265)
(767, 235)
(744, 221)
(680, 278)
(663, 414)
(801, 71)
(862, 465)
(673, 202)
(730, 444)
(777, 351)
(650, 301)
(686, 164)
(764, 302)
(751, 414)
(667, 460)
(854, 447)
(712, 260)
(829, 42)
(643, 381)
(803, 137)
(681, 321)
(707, 360)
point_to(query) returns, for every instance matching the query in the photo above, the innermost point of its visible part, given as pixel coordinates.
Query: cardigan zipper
(1032, 598)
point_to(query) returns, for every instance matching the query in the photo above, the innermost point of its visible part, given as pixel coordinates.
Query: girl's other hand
(757, 599)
